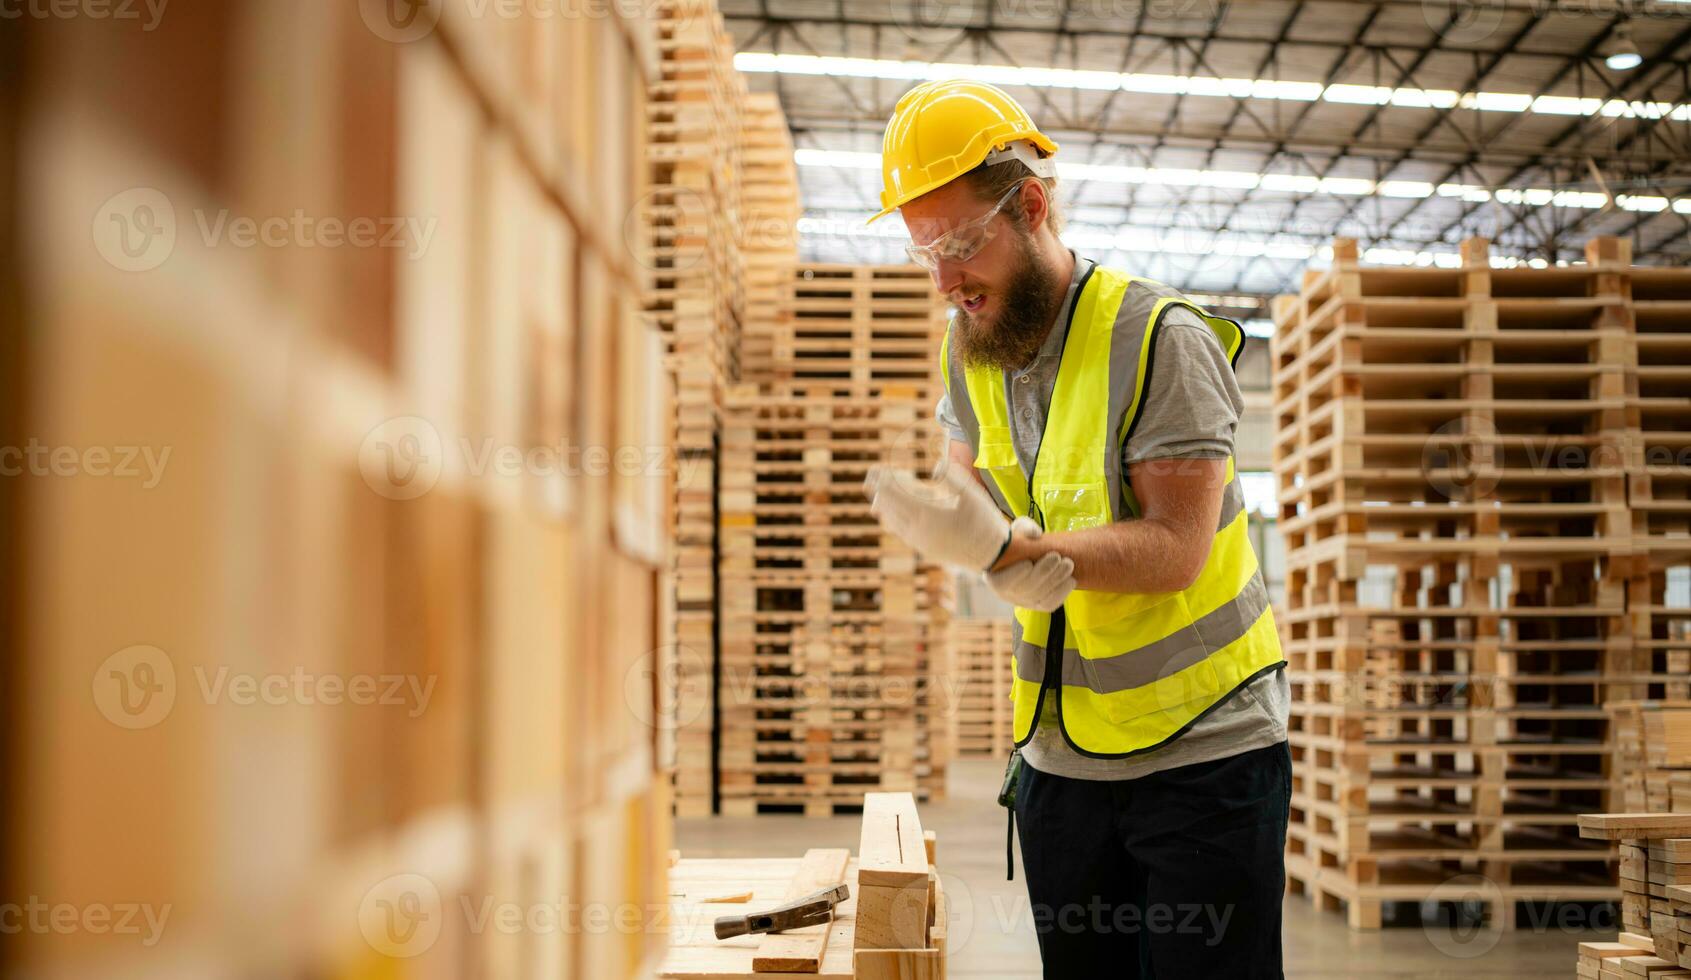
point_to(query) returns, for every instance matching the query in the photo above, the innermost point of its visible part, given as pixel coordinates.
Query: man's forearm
(1146, 555)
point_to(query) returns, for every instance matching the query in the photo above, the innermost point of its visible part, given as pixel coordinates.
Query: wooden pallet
(854, 326)
(984, 665)
(1470, 580)
(834, 636)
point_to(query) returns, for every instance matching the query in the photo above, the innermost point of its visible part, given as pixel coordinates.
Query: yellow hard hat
(943, 129)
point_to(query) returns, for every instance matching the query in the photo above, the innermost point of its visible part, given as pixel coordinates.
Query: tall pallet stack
(982, 648)
(835, 665)
(344, 671)
(770, 210)
(691, 216)
(1454, 449)
(831, 630)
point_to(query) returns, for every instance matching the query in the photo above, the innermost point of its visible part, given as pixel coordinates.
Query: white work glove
(1040, 584)
(950, 519)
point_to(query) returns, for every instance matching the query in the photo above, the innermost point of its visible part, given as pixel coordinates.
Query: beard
(1026, 308)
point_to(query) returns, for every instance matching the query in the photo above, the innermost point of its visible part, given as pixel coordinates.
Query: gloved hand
(951, 519)
(1042, 584)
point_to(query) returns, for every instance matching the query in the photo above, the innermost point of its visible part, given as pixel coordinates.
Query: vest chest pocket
(1073, 506)
(997, 451)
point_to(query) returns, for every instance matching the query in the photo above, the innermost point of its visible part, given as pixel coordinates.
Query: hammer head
(811, 910)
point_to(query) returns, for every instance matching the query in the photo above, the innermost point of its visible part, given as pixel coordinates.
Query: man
(1091, 479)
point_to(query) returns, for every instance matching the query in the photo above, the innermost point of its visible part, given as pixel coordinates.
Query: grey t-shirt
(1191, 412)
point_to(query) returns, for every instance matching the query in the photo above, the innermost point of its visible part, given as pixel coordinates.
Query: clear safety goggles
(960, 244)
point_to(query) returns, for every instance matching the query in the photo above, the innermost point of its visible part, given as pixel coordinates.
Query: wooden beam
(892, 875)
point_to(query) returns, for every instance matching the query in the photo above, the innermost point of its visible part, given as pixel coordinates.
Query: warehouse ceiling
(1221, 145)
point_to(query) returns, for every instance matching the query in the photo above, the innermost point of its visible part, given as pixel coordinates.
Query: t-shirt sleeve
(946, 416)
(1193, 401)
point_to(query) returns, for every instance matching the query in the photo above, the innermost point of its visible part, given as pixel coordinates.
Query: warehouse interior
(436, 479)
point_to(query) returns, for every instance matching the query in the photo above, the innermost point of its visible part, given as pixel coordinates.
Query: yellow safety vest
(1134, 671)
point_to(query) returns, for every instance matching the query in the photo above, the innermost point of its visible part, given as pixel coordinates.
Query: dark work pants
(1173, 875)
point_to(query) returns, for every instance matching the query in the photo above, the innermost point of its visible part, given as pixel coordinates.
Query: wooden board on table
(694, 951)
(800, 950)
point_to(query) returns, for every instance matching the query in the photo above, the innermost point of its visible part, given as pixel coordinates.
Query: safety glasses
(961, 243)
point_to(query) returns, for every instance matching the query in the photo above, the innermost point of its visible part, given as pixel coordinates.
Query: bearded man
(1090, 477)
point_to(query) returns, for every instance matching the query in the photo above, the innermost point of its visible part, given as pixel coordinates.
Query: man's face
(976, 286)
(1003, 293)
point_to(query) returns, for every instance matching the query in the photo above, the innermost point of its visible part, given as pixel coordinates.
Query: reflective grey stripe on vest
(1232, 502)
(1136, 668)
(958, 390)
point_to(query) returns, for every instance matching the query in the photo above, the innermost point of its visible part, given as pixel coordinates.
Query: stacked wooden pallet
(1453, 448)
(691, 224)
(832, 633)
(424, 658)
(769, 200)
(856, 329)
(982, 648)
(1652, 756)
(1658, 465)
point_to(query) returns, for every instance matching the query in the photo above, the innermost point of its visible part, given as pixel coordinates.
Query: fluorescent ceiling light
(1286, 183)
(1200, 85)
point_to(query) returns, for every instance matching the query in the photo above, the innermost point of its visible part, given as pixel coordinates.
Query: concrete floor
(992, 933)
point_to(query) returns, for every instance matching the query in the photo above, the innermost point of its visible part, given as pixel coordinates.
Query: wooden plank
(800, 950)
(1634, 826)
(891, 850)
(899, 964)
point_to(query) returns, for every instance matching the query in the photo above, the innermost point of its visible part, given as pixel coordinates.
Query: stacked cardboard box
(364, 655)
